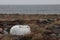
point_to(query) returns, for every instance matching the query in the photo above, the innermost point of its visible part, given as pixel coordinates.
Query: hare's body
(20, 30)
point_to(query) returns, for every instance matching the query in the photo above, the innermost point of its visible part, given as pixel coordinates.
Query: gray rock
(5, 32)
(56, 26)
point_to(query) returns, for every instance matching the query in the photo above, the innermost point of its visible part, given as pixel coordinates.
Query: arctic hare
(20, 30)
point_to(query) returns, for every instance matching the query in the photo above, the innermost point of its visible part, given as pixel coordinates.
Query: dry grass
(34, 22)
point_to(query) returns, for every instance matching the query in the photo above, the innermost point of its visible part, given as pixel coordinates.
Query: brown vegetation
(41, 25)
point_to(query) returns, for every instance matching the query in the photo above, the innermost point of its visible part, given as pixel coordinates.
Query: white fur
(20, 30)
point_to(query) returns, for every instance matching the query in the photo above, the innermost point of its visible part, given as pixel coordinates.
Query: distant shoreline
(30, 13)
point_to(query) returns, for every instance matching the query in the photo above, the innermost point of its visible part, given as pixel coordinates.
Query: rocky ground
(43, 27)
